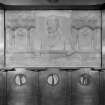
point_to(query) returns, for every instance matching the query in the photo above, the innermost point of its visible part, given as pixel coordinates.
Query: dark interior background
(46, 2)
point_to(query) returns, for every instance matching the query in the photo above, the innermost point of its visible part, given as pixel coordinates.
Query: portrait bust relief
(52, 24)
(54, 39)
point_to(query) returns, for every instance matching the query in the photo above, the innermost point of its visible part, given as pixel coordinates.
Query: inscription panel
(53, 38)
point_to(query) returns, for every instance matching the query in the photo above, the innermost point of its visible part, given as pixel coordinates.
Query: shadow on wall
(45, 2)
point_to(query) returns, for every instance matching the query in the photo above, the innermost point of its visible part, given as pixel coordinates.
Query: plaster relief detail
(53, 38)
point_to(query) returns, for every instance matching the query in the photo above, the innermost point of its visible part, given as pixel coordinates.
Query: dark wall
(42, 2)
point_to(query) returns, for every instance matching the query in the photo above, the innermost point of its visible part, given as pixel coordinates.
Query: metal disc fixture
(84, 79)
(20, 79)
(53, 79)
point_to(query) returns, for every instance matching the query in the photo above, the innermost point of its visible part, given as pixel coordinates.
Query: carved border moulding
(53, 38)
(1, 38)
(103, 39)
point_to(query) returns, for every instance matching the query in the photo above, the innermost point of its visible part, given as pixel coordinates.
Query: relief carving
(87, 26)
(85, 39)
(10, 39)
(21, 40)
(54, 39)
(88, 35)
(49, 38)
(19, 23)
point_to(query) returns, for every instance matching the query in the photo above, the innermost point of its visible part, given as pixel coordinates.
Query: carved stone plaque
(53, 38)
